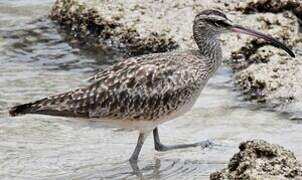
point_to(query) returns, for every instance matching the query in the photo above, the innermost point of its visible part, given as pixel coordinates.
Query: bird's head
(214, 22)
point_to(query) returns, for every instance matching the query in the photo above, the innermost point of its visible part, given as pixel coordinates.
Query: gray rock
(283, 26)
(275, 6)
(136, 27)
(258, 160)
(266, 74)
(275, 80)
(112, 24)
(263, 73)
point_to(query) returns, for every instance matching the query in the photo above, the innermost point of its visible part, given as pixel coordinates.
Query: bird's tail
(30, 108)
(21, 109)
(57, 105)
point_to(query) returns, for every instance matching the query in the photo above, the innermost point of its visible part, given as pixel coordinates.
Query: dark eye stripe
(222, 23)
(218, 23)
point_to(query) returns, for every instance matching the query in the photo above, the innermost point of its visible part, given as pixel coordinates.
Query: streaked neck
(209, 47)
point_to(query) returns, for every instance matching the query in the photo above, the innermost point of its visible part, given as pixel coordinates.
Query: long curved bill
(274, 42)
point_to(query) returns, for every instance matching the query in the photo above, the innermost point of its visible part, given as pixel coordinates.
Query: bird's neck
(209, 47)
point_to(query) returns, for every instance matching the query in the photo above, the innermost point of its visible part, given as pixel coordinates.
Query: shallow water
(37, 61)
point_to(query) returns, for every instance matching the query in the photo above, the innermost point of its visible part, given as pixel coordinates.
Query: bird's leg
(139, 145)
(160, 147)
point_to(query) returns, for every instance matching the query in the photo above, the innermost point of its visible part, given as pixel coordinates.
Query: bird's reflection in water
(155, 168)
(165, 169)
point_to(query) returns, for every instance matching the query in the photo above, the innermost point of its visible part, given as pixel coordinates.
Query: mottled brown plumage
(140, 88)
(142, 92)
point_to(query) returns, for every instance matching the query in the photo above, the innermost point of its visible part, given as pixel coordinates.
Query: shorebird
(142, 92)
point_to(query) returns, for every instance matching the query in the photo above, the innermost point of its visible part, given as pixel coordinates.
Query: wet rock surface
(275, 80)
(263, 73)
(106, 24)
(134, 27)
(258, 159)
(283, 27)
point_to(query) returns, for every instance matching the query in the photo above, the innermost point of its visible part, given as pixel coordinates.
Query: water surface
(36, 61)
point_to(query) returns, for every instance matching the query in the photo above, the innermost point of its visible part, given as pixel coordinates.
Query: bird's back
(139, 88)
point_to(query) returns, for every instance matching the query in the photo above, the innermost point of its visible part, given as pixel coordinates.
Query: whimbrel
(142, 92)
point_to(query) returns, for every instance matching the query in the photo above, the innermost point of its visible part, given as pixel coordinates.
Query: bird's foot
(202, 144)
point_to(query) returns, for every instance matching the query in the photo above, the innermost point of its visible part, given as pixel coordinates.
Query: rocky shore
(258, 159)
